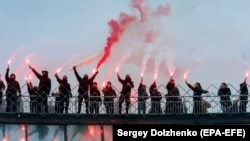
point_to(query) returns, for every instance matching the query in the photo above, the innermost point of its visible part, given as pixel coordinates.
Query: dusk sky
(209, 39)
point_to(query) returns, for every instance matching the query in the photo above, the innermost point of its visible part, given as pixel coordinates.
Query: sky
(207, 40)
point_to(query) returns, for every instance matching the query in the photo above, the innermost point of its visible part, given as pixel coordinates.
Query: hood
(45, 73)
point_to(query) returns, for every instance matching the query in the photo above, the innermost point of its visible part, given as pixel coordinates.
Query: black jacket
(126, 89)
(109, 94)
(83, 82)
(13, 85)
(197, 92)
(64, 88)
(44, 82)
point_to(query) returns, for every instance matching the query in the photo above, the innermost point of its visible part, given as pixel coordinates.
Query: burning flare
(185, 76)
(155, 76)
(58, 70)
(27, 61)
(9, 62)
(117, 69)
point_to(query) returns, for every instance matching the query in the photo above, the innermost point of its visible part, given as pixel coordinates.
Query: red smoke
(138, 4)
(117, 28)
(163, 9)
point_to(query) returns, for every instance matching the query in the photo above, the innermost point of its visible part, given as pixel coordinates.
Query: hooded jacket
(64, 87)
(13, 86)
(127, 85)
(84, 83)
(44, 81)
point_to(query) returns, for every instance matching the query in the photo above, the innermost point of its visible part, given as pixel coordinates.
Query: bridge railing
(210, 103)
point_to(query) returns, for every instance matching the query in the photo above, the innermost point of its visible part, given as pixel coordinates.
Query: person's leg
(1, 98)
(121, 99)
(45, 102)
(143, 107)
(14, 102)
(8, 100)
(66, 102)
(80, 99)
(127, 100)
(86, 100)
(139, 107)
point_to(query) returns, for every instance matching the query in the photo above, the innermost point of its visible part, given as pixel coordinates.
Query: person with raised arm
(64, 94)
(109, 95)
(127, 85)
(34, 97)
(84, 84)
(155, 99)
(243, 96)
(173, 100)
(142, 97)
(13, 87)
(197, 98)
(44, 87)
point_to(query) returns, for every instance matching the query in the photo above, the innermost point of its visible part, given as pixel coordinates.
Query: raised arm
(189, 85)
(29, 86)
(58, 79)
(93, 77)
(7, 78)
(18, 88)
(76, 74)
(39, 76)
(119, 78)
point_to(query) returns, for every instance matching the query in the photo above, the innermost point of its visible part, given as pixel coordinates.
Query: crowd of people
(89, 91)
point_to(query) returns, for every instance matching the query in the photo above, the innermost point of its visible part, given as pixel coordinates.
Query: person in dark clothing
(64, 94)
(224, 92)
(34, 93)
(95, 99)
(84, 84)
(127, 85)
(173, 100)
(142, 97)
(2, 87)
(44, 87)
(197, 99)
(13, 88)
(243, 97)
(155, 99)
(109, 95)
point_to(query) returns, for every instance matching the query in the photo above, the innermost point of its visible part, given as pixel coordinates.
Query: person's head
(127, 77)
(35, 88)
(172, 83)
(94, 85)
(45, 73)
(223, 85)
(65, 78)
(12, 76)
(154, 87)
(85, 76)
(143, 87)
(197, 85)
(109, 84)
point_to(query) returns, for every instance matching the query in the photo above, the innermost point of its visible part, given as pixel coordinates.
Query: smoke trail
(159, 58)
(117, 28)
(148, 51)
(141, 6)
(170, 63)
(124, 57)
(196, 61)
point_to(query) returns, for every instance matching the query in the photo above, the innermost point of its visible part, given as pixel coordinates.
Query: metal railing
(209, 105)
